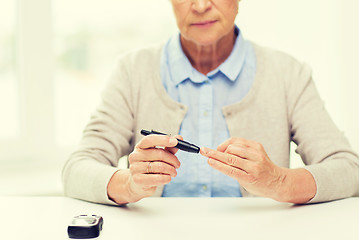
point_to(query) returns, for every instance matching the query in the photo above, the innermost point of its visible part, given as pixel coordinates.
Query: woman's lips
(204, 24)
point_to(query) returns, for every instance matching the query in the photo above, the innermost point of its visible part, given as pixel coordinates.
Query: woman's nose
(201, 6)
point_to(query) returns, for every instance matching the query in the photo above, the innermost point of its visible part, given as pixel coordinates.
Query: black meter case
(85, 226)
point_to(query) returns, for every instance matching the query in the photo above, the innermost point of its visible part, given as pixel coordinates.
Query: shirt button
(204, 187)
(206, 81)
(205, 113)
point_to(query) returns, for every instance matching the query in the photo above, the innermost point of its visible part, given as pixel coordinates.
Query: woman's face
(204, 22)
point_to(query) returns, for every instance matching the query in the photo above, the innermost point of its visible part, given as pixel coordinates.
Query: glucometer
(85, 226)
(183, 145)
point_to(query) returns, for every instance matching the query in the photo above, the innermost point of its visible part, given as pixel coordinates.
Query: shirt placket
(205, 125)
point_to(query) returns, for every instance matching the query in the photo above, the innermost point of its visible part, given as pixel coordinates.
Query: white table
(183, 218)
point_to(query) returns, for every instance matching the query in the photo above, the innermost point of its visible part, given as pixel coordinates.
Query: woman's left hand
(248, 163)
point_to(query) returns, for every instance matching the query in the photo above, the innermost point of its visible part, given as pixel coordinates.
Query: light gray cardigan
(282, 105)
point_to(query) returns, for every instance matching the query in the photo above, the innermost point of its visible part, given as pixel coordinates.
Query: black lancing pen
(183, 145)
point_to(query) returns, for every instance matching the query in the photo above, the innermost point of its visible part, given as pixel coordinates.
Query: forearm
(298, 186)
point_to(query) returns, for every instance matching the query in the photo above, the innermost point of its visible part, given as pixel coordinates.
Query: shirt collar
(181, 68)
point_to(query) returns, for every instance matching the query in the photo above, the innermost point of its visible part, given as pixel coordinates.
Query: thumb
(173, 150)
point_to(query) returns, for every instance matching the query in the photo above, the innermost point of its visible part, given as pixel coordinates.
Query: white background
(52, 104)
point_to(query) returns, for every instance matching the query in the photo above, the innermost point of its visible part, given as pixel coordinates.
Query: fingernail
(173, 141)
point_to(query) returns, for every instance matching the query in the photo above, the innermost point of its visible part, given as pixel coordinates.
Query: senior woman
(243, 103)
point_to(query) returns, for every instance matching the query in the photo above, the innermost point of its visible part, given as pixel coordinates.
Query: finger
(174, 150)
(151, 179)
(233, 140)
(154, 140)
(231, 171)
(153, 168)
(153, 154)
(242, 151)
(226, 158)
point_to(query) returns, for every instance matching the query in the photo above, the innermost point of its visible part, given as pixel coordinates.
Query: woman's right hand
(150, 167)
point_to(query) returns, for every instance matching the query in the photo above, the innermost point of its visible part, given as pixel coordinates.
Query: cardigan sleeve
(105, 139)
(323, 148)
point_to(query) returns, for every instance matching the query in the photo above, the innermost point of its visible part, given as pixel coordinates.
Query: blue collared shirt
(204, 123)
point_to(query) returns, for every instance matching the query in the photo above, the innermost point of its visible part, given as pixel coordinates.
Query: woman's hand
(150, 167)
(248, 163)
